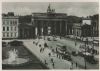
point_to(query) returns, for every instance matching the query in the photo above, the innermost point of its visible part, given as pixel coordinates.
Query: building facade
(10, 26)
(26, 31)
(77, 32)
(95, 28)
(86, 27)
(50, 23)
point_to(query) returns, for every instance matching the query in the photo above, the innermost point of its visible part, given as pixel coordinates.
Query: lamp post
(86, 43)
(93, 42)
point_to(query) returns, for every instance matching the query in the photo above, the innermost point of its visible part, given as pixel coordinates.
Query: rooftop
(9, 15)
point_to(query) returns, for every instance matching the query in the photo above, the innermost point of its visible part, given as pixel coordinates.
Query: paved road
(59, 63)
(71, 47)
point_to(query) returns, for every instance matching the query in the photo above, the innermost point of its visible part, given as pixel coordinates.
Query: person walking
(51, 47)
(36, 43)
(76, 64)
(72, 65)
(45, 62)
(56, 49)
(53, 65)
(57, 55)
(52, 50)
(75, 43)
(62, 57)
(52, 60)
(40, 50)
(39, 45)
(49, 54)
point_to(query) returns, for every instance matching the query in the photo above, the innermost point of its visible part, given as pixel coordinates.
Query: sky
(70, 8)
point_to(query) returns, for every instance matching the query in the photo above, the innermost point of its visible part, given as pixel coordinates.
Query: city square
(50, 40)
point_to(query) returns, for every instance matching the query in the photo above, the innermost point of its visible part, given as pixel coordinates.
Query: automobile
(88, 57)
(48, 39)
(91, 59)
(67, 57)
(33, 42)
(45, 45)
(83, 54)
(96, 43)
(74, 53)
(67, 36)
(40, 37)
(54, 39)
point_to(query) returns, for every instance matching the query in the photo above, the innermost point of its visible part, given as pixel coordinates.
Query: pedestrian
(57, 55)
(75, 43)
(39, 45)
(70, 67)
(76, 64)
(45, 62)
(51, 47)
(56, 49)
(33, 42)
(53, 64)
(62, 57)
(36, 43)
(52, 50)
(49, 54)
(80, 46)
(60, 37)
(40, 50)
(52, 60)
(72, 64)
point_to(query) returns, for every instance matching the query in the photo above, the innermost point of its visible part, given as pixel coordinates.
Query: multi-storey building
(86, 27)
(9, 25)
(83, 29)
(95, 28)
(77, 30)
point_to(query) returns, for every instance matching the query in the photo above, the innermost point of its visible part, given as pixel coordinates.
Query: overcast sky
(70, 8)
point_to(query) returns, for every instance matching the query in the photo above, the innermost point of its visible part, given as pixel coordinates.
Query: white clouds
(71, 8)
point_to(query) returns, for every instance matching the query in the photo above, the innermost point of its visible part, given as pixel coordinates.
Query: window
(11, 28)
(15, 28)
(7, 22)
(7, 28)
(3, 22)
(15, 34)
(3, 34)
(15, 22)
(7, 34)
(11, 34)
(3, 28)
(11, 22)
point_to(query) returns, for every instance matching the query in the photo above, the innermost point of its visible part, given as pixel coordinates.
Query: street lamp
(86, 43)
(93, 42)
